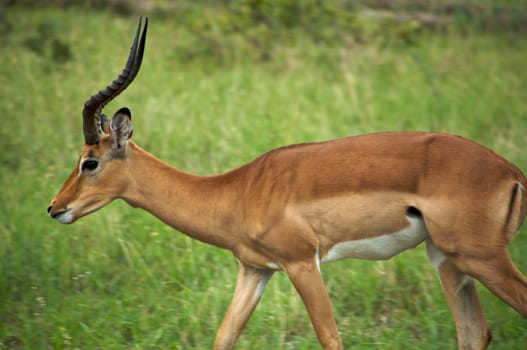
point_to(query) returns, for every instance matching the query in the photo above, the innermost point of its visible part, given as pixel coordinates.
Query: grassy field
(119, 279)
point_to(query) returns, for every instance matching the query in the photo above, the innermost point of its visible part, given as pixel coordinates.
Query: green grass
(119, 279)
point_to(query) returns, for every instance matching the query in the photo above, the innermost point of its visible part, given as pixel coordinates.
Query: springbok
(293, 208)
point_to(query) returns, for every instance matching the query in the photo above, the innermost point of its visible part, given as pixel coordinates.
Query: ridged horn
(91, 113)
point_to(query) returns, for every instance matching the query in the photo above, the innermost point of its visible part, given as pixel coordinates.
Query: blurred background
(221, 83)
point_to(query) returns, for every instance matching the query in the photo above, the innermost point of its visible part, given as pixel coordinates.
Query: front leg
(308, 282)
(250, 285)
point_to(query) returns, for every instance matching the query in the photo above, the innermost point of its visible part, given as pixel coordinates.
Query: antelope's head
(93, 182)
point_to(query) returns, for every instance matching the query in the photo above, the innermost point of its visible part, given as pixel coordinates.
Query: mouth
(62, 216)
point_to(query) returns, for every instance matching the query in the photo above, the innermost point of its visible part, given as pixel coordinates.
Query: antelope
(291, 209)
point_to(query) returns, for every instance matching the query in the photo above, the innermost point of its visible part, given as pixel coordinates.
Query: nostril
(49, 209)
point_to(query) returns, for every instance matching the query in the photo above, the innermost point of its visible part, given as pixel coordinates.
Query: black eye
(89, 165)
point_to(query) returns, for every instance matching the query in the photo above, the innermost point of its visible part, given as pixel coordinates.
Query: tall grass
(119, 279)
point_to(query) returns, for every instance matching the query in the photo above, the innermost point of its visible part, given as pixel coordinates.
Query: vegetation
(211, 96)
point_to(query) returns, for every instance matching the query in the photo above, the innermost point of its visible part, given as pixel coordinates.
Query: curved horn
(91, 113)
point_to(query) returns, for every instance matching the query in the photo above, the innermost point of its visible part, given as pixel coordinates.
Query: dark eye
(89, 165)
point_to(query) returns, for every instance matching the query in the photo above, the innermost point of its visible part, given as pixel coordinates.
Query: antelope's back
(410, 162)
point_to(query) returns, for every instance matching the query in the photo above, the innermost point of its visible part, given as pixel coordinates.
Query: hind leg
(499, 274)
(476, 243)
(472, 329)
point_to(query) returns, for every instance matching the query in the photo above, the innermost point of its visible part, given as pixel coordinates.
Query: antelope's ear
(121, 128)
(104, 124)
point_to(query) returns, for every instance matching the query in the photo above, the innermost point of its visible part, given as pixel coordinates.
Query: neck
(198, 206)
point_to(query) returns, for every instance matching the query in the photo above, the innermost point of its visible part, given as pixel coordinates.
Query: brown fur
(290, 206)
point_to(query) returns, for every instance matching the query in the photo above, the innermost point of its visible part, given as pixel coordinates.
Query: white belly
(381, 247)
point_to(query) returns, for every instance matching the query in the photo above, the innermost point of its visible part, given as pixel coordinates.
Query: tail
(517, 210)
